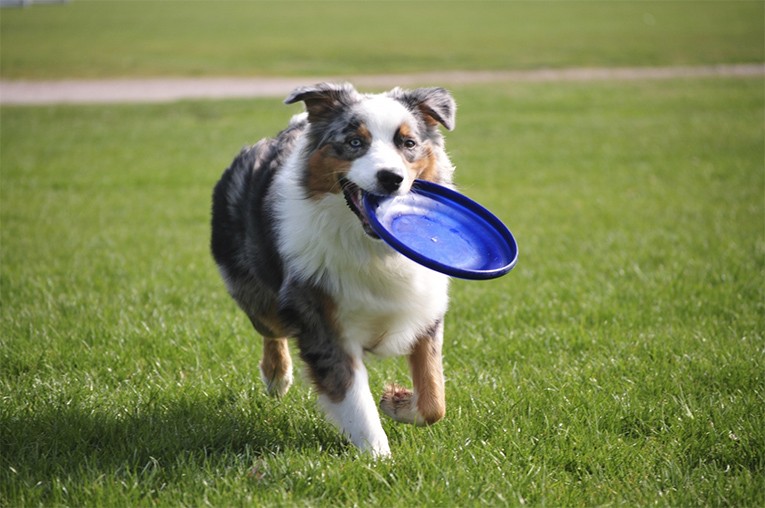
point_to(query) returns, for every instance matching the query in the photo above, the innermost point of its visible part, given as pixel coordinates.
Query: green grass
(139, 38)
(619, 363)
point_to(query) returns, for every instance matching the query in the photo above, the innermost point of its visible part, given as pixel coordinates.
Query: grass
(619, 363)
(136, 38)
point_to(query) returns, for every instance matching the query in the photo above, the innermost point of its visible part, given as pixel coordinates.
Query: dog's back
(243, 236)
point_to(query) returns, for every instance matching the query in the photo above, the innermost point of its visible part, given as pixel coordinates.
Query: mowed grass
(621, 362)
(189, 38)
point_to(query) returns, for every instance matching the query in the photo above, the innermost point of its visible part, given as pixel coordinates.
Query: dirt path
(171, 89)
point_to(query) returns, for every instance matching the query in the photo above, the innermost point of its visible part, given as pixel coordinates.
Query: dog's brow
(406, 131)
(353, 125)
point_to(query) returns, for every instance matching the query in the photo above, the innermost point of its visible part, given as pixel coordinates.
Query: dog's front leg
(339, 376)
(355, 413)
(426, 404)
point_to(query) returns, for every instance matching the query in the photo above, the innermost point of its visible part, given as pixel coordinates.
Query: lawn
(191, 38)
(621, 362)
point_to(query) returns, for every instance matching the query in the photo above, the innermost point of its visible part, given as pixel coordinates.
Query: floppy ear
(435, 104)
(323, 99)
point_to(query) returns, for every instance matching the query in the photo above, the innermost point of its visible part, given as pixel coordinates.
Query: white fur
(356, 415)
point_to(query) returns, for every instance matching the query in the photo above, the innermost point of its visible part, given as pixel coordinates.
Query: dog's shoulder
(240, 205)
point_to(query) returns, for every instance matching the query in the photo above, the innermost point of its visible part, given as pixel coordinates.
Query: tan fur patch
(428, 379)
(323, 172)
(405, 131)
(426, 168)
(276, 364)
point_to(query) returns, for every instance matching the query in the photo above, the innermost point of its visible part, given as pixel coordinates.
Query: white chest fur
(384, 301)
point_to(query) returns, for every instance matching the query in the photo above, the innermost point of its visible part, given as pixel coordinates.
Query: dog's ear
(435, 104)
(323, 99)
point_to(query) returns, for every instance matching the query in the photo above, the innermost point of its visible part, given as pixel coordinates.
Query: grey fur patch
(436, 104)
(312, 312)
(243, 239)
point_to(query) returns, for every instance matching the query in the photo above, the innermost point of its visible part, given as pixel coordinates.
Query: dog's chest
(383, 302)
(386, 319)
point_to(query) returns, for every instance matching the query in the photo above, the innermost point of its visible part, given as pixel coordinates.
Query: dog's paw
(379, 450)
(277, 382)
(400, 404)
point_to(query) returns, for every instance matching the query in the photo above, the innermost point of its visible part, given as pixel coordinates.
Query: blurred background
(100, 39)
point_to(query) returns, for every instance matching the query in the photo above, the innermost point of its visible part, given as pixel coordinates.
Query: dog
(296, 251)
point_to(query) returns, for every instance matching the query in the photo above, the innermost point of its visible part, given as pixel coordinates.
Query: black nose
(389, 181)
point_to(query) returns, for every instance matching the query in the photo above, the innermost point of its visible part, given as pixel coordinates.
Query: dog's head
(374, 143)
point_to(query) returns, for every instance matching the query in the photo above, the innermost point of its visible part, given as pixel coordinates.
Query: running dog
(296, 251)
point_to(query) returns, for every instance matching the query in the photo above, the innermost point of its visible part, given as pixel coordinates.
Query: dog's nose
(389, 181)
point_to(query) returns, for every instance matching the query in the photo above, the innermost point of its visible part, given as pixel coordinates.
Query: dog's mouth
(354, 198)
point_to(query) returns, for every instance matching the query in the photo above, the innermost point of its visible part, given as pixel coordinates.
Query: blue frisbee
(443, 230)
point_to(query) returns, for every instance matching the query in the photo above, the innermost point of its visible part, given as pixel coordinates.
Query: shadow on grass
(76, 443)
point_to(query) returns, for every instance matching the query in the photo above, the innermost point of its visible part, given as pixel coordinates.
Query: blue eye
(355, 143)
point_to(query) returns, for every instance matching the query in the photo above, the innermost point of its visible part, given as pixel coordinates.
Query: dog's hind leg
(426, 404)
(276, 366)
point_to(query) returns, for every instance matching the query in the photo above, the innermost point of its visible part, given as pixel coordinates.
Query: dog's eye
(410, 143)
(355, 143)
